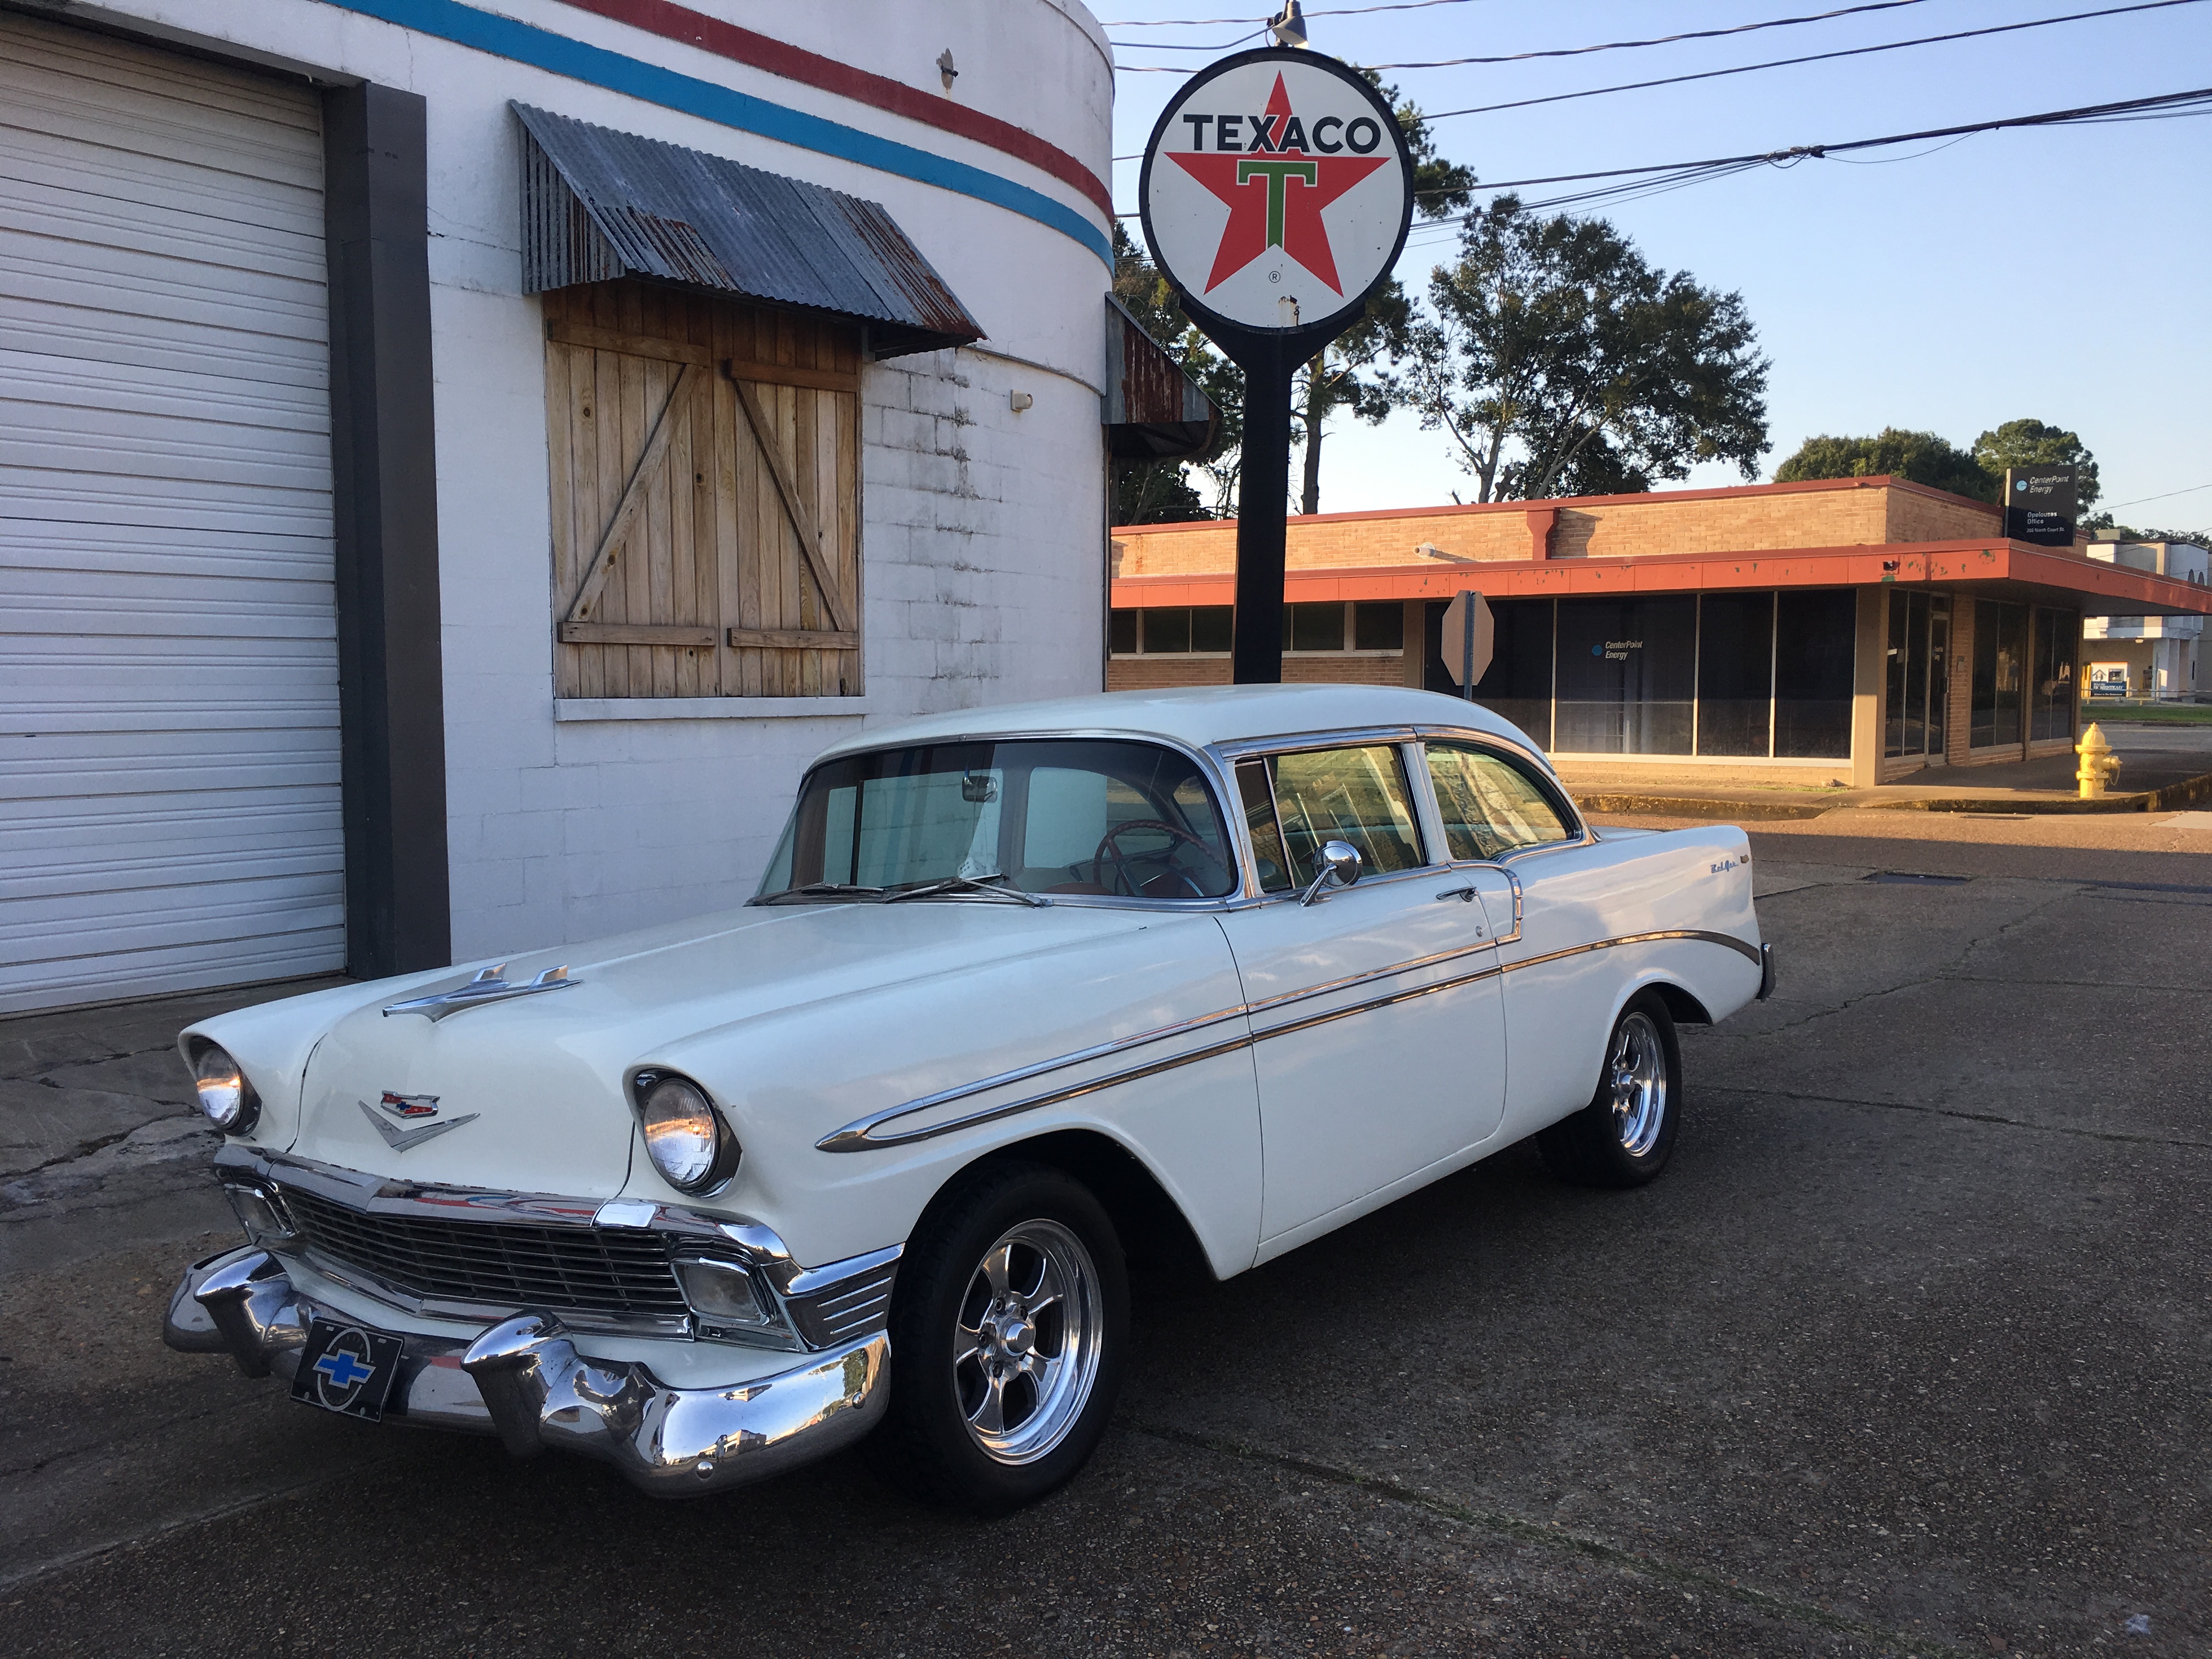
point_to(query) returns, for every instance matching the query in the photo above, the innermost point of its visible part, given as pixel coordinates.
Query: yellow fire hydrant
(2099, 763)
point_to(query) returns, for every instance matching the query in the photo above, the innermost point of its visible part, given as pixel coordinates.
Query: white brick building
(310, 456)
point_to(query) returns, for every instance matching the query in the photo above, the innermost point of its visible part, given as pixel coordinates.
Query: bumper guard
(525, 1380)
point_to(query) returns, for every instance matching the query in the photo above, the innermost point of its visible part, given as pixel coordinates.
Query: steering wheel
(1109, 846)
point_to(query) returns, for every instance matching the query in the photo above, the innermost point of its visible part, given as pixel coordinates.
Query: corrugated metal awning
(1154, 411)
(597, 204)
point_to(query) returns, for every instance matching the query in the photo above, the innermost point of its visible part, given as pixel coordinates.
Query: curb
(2190, 791)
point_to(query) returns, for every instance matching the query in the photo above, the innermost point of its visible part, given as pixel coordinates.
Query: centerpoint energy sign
(1276, 195)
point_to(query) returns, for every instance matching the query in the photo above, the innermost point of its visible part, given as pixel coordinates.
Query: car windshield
(1041, 815)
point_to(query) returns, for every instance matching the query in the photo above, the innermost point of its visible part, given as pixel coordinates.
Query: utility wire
(1669, 173)
(1580, 52)
(1786, 62)
(2140, 500)
(1262, 22)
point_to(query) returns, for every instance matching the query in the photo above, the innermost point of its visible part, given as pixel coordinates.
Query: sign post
(1276, 195)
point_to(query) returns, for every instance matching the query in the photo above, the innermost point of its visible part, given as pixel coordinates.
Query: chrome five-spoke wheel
(1008, 1327)
(1026, 1350)
(1639, 1070)
(1624, 1137)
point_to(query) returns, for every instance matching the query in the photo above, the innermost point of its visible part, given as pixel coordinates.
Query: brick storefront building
(1862, 623)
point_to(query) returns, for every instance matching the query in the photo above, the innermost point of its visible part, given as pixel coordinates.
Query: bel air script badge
(410, 1108)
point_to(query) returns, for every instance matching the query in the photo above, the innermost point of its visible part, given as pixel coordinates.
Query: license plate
(348, 1369)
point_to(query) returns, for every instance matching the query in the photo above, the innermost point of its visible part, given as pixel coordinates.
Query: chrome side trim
(1750, 952)
(867, 1133)
(1765, 972)
(1346, 1012)
(861, 1132)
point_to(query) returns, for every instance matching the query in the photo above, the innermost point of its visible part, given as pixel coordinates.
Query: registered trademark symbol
(1274, 275)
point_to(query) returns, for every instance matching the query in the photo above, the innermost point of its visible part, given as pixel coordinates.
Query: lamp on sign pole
(1273, 228)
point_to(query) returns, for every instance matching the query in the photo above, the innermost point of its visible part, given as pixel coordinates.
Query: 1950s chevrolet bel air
(1194, 976)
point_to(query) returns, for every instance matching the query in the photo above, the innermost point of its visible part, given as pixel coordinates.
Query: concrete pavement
(1906, 1353)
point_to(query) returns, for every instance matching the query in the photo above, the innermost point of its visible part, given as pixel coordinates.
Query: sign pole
(1263, 491)
(1276, 194)
(1467, 620)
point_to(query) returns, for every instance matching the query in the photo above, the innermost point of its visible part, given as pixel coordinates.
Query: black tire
(1612, 1142)
(1055, 1376)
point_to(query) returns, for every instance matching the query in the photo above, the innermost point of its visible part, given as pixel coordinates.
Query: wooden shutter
(705, 496)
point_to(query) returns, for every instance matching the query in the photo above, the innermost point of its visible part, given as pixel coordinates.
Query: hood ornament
(489, 986)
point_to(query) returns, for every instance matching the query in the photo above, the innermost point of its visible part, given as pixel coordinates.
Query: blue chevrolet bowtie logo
(344, 1370)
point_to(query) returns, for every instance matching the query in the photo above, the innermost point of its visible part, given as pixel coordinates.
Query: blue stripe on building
(526, 43)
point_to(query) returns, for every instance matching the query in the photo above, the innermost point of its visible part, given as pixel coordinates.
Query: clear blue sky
(2063, 274)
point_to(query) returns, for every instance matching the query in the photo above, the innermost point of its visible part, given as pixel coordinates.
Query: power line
(1580, 52)
(1332, 11)
(2140, 500)
(1786, 62)
(2163, 105)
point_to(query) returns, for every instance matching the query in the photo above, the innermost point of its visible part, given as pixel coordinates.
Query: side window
(1490, 804)
(1356, 795)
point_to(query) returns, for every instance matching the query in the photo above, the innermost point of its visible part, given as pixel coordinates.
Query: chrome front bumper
(525, 1380)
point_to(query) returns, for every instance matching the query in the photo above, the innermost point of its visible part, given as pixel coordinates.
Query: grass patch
(2148, 714)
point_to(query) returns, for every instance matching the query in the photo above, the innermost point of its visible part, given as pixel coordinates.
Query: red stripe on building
(741, 46)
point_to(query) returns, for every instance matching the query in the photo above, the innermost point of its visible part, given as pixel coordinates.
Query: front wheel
(1008, 1331)
(1624, 1136)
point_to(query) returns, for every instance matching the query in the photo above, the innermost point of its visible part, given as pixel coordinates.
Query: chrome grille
(501, 1264)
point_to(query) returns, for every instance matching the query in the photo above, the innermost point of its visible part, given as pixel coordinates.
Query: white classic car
(1190, 977)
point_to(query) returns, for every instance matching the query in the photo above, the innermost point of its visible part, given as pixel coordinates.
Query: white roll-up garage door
(169, 813)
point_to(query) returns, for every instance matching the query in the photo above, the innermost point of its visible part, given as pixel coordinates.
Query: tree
(1921, 457)
(1158, 492)
(2031, 443)
(1560, 360)
(1347, 373)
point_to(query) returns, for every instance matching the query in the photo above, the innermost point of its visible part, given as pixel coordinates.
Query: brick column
(1960, 713)
(1869, 686)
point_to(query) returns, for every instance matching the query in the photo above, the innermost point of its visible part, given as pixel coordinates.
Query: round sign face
(1276, 192)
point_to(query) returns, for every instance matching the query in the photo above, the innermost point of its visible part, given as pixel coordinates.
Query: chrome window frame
(1548, 780)
(1404, 739)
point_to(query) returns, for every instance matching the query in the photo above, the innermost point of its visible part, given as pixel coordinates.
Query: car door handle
(1465, 895)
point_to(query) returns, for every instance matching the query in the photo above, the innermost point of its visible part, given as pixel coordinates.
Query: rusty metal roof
(597, 204)
(1153, 410)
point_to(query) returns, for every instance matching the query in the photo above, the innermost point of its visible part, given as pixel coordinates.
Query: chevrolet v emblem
(401, 1140)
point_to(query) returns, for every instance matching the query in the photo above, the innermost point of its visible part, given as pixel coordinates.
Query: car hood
(530, 1091)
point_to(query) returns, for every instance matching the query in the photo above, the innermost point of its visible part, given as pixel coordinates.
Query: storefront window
(1517, 686)
(2058, 635)
(1627, 675)
(1728, 674)
(1813, 641)
(1735, 673)
(1995, 712)
(1918, 667)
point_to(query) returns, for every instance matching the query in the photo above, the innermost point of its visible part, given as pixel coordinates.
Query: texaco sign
(1276, 193)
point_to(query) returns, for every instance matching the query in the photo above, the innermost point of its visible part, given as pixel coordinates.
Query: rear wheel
(1008, 1330)
(1622, 1137)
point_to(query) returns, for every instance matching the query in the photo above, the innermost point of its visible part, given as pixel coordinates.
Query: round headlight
(684, 1135)
(226, 1097)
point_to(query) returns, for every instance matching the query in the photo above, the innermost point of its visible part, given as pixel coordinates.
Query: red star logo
(1276, 191)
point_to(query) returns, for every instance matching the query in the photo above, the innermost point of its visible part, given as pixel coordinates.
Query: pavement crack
(2117, 1136)
(1555, 1538)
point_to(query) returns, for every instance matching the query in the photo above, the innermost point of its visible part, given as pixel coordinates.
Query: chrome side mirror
(1340, 867)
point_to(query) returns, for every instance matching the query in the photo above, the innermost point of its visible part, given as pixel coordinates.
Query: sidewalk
(2163, 769)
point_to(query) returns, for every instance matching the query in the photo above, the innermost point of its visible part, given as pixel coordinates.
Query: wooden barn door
(705, 496)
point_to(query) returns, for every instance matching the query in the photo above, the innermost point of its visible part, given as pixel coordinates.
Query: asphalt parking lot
(1907, 1353)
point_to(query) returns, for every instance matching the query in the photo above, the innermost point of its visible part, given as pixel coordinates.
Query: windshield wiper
(822, 890)
(978, 884)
